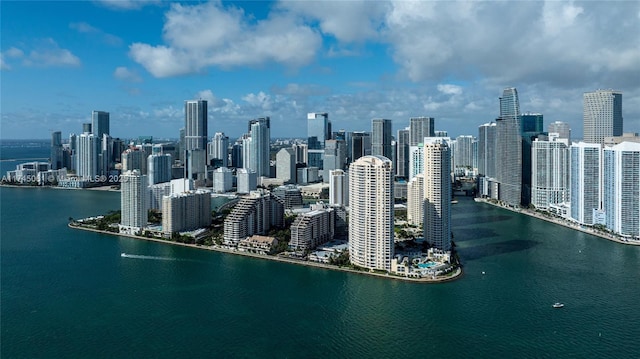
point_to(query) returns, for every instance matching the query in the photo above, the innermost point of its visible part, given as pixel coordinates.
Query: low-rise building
(258, 244)
(312, 229)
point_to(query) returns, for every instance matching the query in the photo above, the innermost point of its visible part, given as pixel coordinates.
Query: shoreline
(456, 274)
(561, 222)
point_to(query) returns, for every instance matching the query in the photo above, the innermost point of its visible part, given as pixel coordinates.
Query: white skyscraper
(219, 149)
(258, 147)
(186, 211)
(159, 168)
(338, 188)
(195, 138)
(415, 200)
(463, 155)
(222, 180)
(247, 180)
(585, 181)
(621, 195)
(286, 165)
(549, 172)
(437, 193)
(487, 149)
(509, 148)
(133, 202)
(87, 152)
(416, 160)
(371, 212)
(602, 115)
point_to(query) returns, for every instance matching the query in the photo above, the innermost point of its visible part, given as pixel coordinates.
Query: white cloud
(85, 28)
(48, 54)
(3, 64)
(124, 74)
(449, 89)
(128, 4)
(14, 52)
(204, 35)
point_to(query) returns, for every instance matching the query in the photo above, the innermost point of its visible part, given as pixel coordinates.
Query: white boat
(123, 254)
(558, 305)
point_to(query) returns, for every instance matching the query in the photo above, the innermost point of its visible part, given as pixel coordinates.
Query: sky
(356, 60)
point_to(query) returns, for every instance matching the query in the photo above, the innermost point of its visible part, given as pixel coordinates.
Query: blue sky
(356, 60)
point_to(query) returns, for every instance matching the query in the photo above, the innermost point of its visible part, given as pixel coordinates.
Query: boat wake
(137, 256)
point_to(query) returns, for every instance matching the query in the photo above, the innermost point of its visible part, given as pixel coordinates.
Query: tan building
(258, 244)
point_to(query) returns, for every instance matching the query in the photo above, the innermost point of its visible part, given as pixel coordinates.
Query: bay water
(70, 294)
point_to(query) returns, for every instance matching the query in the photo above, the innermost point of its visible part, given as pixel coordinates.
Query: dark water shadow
(479, 220)
(468, 234)
(492, 249)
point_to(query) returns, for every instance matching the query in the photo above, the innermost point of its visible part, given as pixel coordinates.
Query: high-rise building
(585, 181)
(258, 147)
(415, 200)
(509, 148)
(416, 160)
(317, 132)
(437, 193)
(158, 168)
(219, 150)
(358, 145)
(56, 150)
(247, 180)
(302, 152)
(335, 156)
(621, 195)
(338, 188)
(531, 122)
(381, 137)
(561, 128)
(87, 155)
(602, 115)
(195, 138)
(133, 202)
(311, 229)
(133, 158)
(371, 212)
(487, 149)
(550, 172)
(463, 154)
(286, 165)
(402, 153)
(419, 128)
(186, 211)
(254, 214)
(222, 180)
(100, 123)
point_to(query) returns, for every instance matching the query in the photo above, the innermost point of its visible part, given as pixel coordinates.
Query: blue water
(70, 294)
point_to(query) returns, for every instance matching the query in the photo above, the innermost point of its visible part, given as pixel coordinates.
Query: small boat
(123, 254)
(558, 305)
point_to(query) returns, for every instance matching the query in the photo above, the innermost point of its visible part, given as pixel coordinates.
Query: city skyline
(354, 60)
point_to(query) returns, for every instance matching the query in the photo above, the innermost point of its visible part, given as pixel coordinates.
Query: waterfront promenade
(563, 222)
(457, 273)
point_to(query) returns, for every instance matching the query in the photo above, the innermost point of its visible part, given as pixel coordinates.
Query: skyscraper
(56, 150)
(402, 153)
(531, 122)
(585, 181)
(602, 115)
(550, 172)
(133, 202)
(335, 156)
(381, 136)
(419, 128)
(358, 145)
(259, 146)
(463, 154)
(509, 148)
(87, 155)
(195, 138)
(338, 188)
(621, 195)
(415, 200)
(371, 212)
(286, 165)
(561, 128)
(219, 150)
(437, 193)
(100, 123)
(317, 132)
(487, 149)
(159, 168)
(531, 127)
